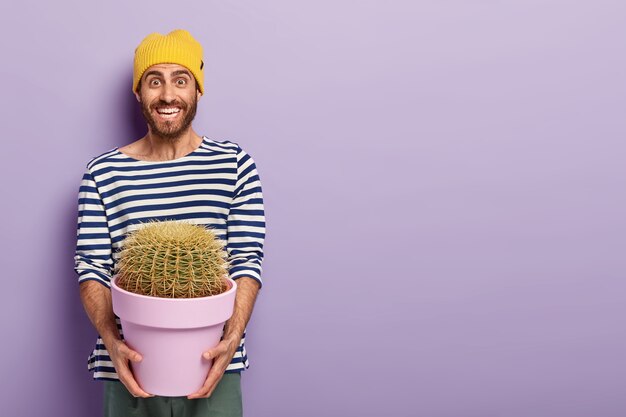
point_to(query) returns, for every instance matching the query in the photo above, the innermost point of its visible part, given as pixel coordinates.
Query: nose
(168, 93)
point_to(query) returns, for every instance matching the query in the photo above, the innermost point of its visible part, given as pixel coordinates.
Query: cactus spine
(172, 259)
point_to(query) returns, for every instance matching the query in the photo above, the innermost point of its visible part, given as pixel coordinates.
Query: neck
(158, 148)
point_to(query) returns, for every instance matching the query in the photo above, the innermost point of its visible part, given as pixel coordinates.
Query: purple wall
(445, 190)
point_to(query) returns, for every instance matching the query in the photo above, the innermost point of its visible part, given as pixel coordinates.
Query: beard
(170, 129)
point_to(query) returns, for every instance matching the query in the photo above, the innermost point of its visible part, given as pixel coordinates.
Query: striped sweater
(217, 186)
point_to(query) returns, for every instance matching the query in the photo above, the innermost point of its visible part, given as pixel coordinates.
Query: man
(171, 173)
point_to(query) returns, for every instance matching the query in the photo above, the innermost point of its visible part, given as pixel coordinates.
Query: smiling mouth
(168, 112)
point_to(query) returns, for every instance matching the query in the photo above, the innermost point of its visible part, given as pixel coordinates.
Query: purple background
(444, 185)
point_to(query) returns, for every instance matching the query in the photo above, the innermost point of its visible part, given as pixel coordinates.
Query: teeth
(168, 111)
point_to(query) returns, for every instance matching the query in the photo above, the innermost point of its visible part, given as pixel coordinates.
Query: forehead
(165, 69)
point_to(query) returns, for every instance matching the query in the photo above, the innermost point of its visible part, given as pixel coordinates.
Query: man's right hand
(96, 299)
(120, 354)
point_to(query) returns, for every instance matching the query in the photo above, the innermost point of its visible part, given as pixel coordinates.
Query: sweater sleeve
(93, 259)
(246, 222)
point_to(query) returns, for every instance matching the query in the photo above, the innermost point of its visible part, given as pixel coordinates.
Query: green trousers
(224, 402)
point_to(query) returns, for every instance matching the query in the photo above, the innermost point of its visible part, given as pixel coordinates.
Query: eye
(155, 82)
(181, 81)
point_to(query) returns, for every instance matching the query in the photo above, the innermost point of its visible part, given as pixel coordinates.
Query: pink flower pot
(171, 334)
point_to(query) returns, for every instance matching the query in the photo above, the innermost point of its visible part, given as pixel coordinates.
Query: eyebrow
(174, 73)
(181, 72)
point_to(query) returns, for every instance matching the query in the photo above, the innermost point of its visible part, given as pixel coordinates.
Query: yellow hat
(177, 47)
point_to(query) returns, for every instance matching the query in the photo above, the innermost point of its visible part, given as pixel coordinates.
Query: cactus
(172, 260)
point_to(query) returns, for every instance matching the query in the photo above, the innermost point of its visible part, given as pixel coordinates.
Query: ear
(198, 95)
(137, 97)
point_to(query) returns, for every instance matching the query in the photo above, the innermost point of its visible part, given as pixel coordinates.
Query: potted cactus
(172, 296)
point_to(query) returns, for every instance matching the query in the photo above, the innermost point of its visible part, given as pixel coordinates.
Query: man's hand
(221, 355)
(120, 354)
(96, 299)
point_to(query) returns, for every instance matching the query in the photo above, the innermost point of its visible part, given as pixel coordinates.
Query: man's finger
(209, 385)
(214, 352)
(135, 390)
(130, 354)
(203, 392)
(126, 377)
(135, 357)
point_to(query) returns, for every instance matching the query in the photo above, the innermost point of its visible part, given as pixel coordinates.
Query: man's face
(168, 97)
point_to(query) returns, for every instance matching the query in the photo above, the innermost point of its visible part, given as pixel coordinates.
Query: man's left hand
(221, 355)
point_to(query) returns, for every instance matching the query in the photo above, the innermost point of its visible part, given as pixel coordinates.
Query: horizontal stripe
(196, 182)
(218, 173)
(162, 196)
(102, 281)
(87, 189)
(180, 216)
(246, 203)
(166, 206)
(201, 160)
(92, 225)
(93, 236)
(85, 201)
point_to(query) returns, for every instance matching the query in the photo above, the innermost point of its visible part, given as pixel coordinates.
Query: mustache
(162, 103)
